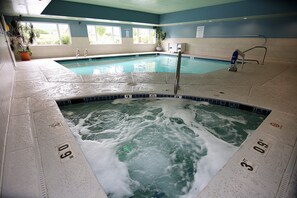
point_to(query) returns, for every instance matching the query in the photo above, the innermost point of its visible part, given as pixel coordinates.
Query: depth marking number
(248, 165)
(261, 147)
(56, 124)
(65, 152)
(276, 125)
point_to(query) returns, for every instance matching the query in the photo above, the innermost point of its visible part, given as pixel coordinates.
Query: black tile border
(225, 103)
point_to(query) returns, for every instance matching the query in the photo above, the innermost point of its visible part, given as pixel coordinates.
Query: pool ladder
(77, 52)
(177, 74)
(254, 60)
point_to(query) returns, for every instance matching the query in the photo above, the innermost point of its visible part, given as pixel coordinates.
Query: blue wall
(281, 27)
(64, 8)
(79, 28)
(239, 9)
(274, 27)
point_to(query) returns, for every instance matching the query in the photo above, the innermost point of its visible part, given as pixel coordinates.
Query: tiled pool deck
(33, 163)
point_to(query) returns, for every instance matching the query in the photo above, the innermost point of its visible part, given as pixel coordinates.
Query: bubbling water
(157, 148)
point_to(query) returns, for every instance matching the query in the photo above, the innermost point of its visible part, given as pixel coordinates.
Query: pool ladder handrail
(77, 52)
(255, 47)
(177, 74)
(86, 52)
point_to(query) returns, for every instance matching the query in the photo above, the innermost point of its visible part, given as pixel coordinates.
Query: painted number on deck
(261, 147)
(276, 125)
(56, 124)
(65, 152)
(246, 164)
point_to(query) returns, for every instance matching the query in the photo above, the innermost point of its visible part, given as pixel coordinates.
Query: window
(144, 36)
(51, 33)
(104, 34)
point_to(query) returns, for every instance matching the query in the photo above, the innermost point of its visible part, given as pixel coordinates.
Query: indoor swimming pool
(142, 63)
(158, 147)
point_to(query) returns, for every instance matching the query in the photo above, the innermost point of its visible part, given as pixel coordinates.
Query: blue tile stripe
(225, 103)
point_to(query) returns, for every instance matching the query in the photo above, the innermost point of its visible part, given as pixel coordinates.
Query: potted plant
(21, 37)
(160, 35)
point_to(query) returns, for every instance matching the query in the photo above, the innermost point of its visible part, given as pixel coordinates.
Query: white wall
(279, 49)
(82, 43)
(6, 85)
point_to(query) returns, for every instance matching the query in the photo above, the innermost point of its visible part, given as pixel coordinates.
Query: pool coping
(95, 57)
(245, 153)
(153, 96)
(230, 104)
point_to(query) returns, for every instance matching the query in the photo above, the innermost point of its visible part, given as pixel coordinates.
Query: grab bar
(177, 75)
(247, 60)
(86, 52)
(258, 46)
(77, 52)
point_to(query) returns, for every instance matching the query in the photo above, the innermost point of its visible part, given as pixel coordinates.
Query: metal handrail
(177, 74)
(258, 46)
(246, 60)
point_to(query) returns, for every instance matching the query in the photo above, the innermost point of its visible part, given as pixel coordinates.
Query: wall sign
(200, 32)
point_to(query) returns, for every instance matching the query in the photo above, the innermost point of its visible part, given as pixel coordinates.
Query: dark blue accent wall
(275, 27)
(238, 9)
(280, 27)
(64, 8)
(79, 28)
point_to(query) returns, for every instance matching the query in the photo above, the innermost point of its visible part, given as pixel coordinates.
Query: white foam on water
(238, 119)
(69, 113)
(122, 101)
(218, 153)
(150, 163)
(111, 173)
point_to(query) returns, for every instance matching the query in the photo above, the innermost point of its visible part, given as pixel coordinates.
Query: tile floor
(37, 131)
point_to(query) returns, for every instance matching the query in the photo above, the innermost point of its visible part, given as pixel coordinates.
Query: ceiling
(35, 7)
(23, 7)
(156, 6)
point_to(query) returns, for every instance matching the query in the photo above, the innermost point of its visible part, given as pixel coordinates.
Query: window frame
(113, 36)
(150, 29)
(58, 31)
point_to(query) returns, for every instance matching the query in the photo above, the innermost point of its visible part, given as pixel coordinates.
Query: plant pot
(25, 56)
(159, 48)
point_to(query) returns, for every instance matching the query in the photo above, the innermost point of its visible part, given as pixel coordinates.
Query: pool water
(157, 147)
(148, 63)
